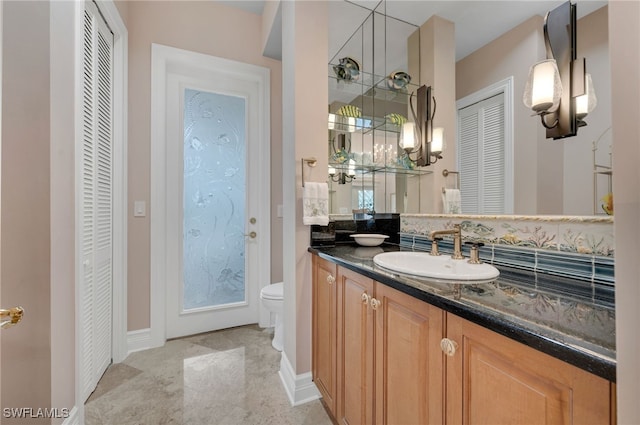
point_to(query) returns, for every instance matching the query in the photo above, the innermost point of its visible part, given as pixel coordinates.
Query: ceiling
(477, 22)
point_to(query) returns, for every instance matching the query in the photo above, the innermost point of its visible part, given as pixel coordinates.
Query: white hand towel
(451, 201)
(315, 203)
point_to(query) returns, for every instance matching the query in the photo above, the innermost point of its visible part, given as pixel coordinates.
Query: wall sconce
(342, 177)
(418, 137)
(556, 87)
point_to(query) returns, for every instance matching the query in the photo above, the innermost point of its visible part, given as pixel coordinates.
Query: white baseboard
(300, 388)
(139, 340)
(73, 418)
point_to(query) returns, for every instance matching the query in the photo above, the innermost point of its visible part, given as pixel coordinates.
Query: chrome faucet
(457, 241)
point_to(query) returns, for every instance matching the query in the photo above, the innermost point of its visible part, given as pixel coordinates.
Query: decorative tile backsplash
(584, 235)
(577, 248)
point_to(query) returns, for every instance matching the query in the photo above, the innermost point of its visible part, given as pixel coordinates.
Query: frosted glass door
(214, 200)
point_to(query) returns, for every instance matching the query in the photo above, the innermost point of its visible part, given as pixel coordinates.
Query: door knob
(11, 316)
(252, 235)
(252, 220)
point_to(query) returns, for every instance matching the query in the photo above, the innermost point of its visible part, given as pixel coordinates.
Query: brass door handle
(11, 316)
(252, 235)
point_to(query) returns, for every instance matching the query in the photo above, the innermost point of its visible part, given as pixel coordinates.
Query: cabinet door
(325, 330)
(492, 379)
(355, 349)
(409, 369)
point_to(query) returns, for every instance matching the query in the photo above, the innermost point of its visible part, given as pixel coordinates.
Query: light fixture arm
(544, 122)
(341, 178)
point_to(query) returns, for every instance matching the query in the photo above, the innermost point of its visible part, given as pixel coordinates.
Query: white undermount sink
(441, 267)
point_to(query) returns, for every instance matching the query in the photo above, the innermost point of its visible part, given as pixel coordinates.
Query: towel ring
(446, 173)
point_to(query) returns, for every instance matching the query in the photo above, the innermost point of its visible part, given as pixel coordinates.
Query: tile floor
(226, 377)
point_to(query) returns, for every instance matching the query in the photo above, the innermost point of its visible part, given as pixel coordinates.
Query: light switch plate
(139, 209)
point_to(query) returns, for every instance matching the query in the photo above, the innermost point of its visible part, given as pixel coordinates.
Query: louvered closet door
(481, 156)
(96, 201)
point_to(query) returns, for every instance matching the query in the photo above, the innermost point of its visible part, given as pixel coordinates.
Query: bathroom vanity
(391, 349)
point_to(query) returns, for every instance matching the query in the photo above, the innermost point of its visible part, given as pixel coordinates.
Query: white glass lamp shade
(332, 171)
(408, 136)
(437, 141)
(544, 87)
(587, 102)
(351, 171)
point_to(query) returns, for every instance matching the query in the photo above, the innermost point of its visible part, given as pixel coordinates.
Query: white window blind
(481, 156)
(96, 200)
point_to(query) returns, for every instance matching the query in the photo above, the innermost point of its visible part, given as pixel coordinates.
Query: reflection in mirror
(366, 113)
(568, 176)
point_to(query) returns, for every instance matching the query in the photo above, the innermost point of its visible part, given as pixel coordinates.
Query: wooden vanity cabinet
(324, 330)
(409, 365)
(380, 356)
(390, 366)
(492, 379)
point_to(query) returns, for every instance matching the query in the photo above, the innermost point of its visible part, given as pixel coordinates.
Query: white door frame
(163, 58)
(120, 191)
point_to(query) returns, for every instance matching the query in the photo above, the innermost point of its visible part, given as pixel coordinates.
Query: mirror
(560, 177)
(368, 104)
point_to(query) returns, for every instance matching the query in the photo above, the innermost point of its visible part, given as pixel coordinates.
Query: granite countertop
(577, 330)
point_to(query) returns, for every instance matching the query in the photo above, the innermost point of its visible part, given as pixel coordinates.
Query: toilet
(272, 297)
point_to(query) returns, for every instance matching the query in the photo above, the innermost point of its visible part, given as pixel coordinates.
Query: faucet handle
(434, 246)
(474, 255)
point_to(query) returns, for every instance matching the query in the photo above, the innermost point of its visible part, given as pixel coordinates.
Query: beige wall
(511, 55)
(437, 69)
(624, 33)
(551, 176)
(204, 27)
(26, 274)
(305, 38)
(123, 10)
(593, 44)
